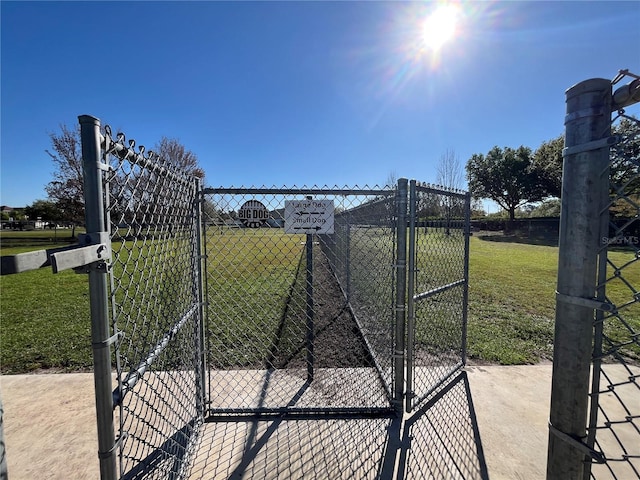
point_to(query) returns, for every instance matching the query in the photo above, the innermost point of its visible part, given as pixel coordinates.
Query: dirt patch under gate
(337, 340)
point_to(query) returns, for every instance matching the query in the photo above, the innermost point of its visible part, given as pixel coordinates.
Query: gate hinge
(578, 444)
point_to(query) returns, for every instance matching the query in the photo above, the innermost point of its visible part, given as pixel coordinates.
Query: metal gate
(142, 216)
(333, 321)
(437, 288)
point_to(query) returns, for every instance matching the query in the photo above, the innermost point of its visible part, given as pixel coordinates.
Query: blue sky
(299, 93)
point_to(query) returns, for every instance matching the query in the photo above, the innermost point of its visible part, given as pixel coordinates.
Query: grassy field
(44, 321)
(251, 274)
(511, 301)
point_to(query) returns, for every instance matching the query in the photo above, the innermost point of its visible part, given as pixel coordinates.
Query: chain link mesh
(436, 340)
(362, 254)
(154, 308)
(296, 324)
(614, 427)
(442, 437)
(265, 351)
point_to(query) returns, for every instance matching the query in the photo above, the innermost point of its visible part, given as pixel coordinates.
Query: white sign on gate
(308, 216)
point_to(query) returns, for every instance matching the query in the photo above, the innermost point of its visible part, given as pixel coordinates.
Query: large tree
(625, 169)
(625, 157)
(176, 154)
(625, 160)
(547, 164)
(44, 210)
(450, 173)
(506, 177)
(66, 189)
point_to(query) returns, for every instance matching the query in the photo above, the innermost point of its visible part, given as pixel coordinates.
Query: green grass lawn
(511, 301)
(250, 278)
(44, 322)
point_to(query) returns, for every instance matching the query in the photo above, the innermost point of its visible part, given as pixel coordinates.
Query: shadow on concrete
(167, 460)
(439, 440)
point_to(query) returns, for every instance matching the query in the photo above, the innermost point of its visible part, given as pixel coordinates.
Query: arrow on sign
(309, 217)
(309, 213)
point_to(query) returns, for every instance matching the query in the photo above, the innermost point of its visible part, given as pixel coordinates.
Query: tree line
(515, 177)
(511, 177)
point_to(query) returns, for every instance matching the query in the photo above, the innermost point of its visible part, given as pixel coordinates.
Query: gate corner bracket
(585, 302)
(578, 444)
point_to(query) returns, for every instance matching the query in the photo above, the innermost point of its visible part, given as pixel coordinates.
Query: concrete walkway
(50, 425)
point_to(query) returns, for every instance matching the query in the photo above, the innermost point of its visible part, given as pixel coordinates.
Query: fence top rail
(301, 191)
(440, 190)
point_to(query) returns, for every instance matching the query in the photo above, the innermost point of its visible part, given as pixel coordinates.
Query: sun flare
(440, 27)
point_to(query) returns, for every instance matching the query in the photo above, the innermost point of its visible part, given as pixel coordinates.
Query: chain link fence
(311, 327)
(276, 316)
(614, 423)
(438, 278)
(151, 316)
(361, 255)
(299, 321)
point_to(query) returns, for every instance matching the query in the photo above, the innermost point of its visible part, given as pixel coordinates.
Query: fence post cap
(590, 85)
(88, 119)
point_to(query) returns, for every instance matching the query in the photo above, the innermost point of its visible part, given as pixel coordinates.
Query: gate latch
(91, 248)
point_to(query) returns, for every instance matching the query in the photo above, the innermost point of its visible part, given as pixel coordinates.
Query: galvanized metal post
(411, 326)
(310, 310)
(201, 362)
(98, 296)
(348, 259)
(465, 294)
(205, 342)
(401, 294)
(585, 175)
